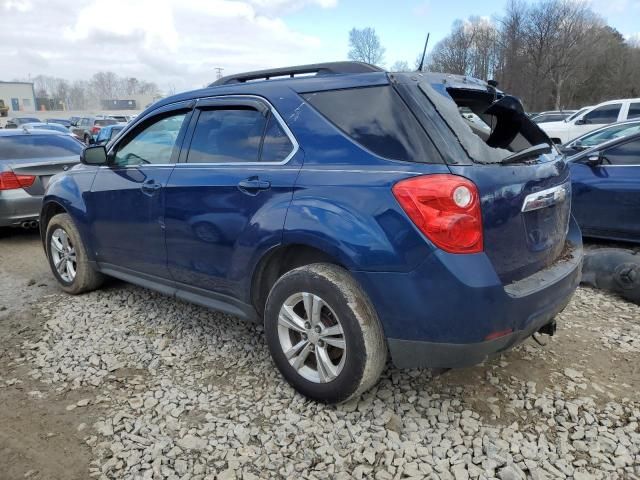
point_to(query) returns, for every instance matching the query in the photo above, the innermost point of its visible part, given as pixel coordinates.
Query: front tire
(67, 257)
(323, 333)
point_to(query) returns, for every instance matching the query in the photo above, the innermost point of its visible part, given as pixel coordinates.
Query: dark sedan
(606, 189)
(18, 121)
(28, 159)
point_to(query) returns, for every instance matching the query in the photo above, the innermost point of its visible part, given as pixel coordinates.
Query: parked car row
(592, 118)
(349, 212)
(85, 129)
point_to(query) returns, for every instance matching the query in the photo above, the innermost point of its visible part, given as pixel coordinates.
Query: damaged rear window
(377, 119)
(491, 129)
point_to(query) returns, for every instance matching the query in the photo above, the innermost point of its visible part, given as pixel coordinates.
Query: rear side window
(227, 136)
(603, 115)
(104, 123)
(376, 118)
(634, 111)
(276, 145)
(238, 135)
(21, 147)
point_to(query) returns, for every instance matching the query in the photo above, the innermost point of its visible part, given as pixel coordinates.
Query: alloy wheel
(63, 255)
(312, 337)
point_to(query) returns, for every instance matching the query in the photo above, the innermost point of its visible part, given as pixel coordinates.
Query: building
(130, 102)
(18, 96)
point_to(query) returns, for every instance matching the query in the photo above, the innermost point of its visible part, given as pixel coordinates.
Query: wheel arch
(49, 209)
(280, 260)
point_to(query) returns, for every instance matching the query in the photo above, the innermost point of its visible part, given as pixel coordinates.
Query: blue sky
(403, 24)
(179, 43)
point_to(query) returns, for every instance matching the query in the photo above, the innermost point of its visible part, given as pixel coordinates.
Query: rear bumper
(448, 311)
(420, 354)
(17, 206)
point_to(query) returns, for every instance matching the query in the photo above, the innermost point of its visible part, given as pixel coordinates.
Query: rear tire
(336, 352)
(67, 257)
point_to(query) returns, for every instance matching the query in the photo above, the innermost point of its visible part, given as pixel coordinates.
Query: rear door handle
(150, 186)
(253, 185)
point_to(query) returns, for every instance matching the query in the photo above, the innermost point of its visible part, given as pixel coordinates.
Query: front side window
(227, 136)
(22, 147)
(625, 154)
(154, 144)
(603, 115)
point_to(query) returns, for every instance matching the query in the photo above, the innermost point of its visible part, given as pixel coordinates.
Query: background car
(59, 121)
(600, 136)
(107, 133)
(15, 122)
(46, 126)
(28, 159)
(590, 119)
(88, 127)
(552, 116)
(606, 189)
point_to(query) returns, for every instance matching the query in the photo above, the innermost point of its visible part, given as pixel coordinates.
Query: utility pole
(218, 72)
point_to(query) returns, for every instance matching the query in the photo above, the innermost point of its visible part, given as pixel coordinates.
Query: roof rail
(331, 68)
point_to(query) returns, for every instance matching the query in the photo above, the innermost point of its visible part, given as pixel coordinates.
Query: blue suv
(355, 212)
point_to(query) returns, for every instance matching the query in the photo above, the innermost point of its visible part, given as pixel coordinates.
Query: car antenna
(424, 52)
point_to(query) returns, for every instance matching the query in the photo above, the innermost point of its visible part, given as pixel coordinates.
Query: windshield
(615, 131)
(104, 123)
(577, 114)
(20, 147)
(490, 127)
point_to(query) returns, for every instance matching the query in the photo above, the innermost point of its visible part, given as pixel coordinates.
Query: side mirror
(94, 155)
(594, 159)
(581, 121)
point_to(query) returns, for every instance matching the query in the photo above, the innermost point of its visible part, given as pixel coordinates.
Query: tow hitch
(548, 329)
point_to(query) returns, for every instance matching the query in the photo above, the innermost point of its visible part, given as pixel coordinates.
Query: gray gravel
(187, 393)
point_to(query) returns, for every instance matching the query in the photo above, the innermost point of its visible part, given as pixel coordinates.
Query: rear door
(606, 197)
(226, 201)
(126, 202)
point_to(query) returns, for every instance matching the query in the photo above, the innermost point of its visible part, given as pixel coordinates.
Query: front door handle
(150, 187)
(253, 185)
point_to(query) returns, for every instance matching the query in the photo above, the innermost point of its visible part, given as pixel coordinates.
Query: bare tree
(400, 66)
(365, 46)
(552, 54)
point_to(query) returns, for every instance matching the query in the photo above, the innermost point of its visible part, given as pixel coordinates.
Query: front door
(606, 197)
(596, 118)
(126, 202)
(226, 201)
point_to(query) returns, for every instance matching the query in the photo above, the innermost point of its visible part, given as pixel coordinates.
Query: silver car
(28, 159)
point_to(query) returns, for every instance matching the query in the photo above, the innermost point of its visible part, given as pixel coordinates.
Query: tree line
(554, 54)
(85, 94)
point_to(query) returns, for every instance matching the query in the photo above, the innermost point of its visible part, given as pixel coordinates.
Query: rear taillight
(446, 208)
(11, 181)
(95, 130)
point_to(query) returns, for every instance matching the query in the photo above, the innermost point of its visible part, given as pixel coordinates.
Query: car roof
(329, 76)
(14, 132)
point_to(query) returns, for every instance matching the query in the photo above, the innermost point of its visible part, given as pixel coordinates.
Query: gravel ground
(151, 387)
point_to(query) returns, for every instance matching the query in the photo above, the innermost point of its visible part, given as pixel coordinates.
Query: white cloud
(177, 42)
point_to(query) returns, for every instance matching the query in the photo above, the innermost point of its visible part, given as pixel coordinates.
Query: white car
(592, 118)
